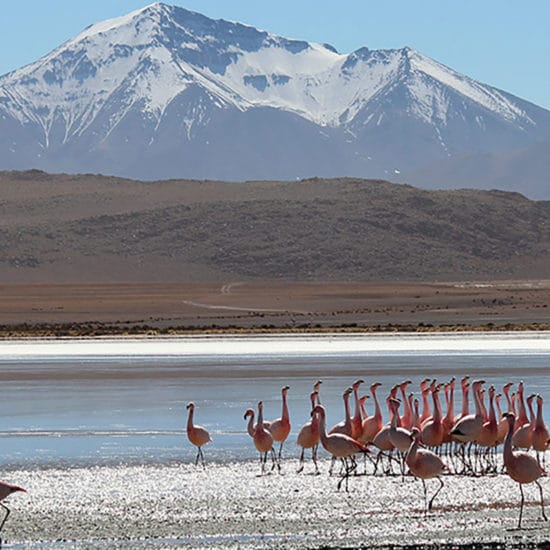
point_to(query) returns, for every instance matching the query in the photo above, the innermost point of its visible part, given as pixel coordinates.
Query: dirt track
(279, 305)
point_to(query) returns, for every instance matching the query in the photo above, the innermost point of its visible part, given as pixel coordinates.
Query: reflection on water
(132, 409)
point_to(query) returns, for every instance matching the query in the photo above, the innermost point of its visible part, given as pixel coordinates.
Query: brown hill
(59, 228)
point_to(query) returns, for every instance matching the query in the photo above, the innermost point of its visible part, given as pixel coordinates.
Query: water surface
(108, 401)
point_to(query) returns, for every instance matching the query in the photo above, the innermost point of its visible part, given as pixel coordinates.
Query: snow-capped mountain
(165, 92)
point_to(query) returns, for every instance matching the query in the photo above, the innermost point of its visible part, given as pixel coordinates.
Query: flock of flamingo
(422, 439)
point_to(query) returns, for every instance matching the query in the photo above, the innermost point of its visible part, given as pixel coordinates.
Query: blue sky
(504, 43)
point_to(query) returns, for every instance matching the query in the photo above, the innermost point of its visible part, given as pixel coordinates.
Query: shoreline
(94, 330)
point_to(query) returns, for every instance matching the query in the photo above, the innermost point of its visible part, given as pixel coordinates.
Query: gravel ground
(229, 505)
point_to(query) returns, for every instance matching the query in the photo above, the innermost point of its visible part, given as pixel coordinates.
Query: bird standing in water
(197, 435)
(521, 467)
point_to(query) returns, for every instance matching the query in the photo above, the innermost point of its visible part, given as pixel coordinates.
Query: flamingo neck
(357, 414)
(492, 415)
(377, 410)
(190, 419)
(477, 403)
(522, 412)
(260, 423)
(540, 420)
(250, 425)
(451, 404)
(437, 407)
(508, 399)
(507, 452)
(465, 401)
(322, 428)
(531, 413)
(285, 415)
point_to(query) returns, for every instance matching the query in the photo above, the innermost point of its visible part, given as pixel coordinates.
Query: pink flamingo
(263, 439)
(373, 424)
(400, 437)
(197, 435)
(424, 464)
(345, 426)
(468, 428)
(339, 445)
(521, 467)
(357, 420)
(6, 489)
(280, 428)
(488, 437)
(309, 437)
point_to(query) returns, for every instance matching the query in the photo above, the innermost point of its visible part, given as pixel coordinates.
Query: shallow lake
(123, 401)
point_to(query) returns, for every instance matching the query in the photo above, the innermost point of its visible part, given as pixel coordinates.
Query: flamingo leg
(5, 517)
(301, 466)
(275, 461)
(425, 497)
(541, 501)
(436, 493)
(314, 458)
(521, 506)
(281, 451)
(333, 460)
(198, 456)
(202, 458)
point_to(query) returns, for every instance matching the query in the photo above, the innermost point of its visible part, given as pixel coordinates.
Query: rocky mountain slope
(163, 92)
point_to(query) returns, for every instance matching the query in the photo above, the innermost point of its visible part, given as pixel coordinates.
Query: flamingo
(6, 489)
(345, 426)
(432, 430)
(521, 467)
(382, 439)
(197, 435)
(424, 464)
(338, 445)
(467, 429)
(308, 437)
(488, 436)
(373, 424)
(263, 439)
(280, 428)
(399, 437)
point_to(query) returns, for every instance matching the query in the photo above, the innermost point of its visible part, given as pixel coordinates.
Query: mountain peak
(165, 71)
